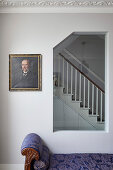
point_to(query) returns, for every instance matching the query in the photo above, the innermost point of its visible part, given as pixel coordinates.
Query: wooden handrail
(83, 73)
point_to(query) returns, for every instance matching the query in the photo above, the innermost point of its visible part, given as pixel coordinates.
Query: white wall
(25, 112)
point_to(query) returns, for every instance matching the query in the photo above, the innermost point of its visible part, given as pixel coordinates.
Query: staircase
(80, 93)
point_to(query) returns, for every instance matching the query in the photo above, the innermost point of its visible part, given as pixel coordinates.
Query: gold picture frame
(25, 72)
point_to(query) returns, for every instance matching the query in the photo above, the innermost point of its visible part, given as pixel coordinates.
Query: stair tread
(100, 122)
(85, 108)
(93, 115)
(67, 94)
(73, 101)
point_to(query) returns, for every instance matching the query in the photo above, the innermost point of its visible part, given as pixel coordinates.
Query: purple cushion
(81, 162)
(43, 162)
(34, 141)
(39, 165)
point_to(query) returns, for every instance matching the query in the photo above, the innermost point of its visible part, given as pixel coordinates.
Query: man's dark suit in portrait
(26, 79)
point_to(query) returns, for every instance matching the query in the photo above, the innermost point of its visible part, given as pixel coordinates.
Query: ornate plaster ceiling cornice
(56, 3)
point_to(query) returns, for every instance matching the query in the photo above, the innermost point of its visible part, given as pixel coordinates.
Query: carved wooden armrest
(30, 154)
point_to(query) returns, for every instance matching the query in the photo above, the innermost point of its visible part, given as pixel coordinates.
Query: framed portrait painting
(25, 72)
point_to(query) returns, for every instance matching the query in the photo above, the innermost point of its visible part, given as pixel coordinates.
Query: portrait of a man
(25, 72)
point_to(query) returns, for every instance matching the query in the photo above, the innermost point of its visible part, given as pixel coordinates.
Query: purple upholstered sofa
(38, 157)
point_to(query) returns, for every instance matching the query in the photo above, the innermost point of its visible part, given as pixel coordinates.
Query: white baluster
(63, 73)
(75, 83)
(67, 77)
(80, 88)
(59, 71)
(71, 79)
(88, 93)
(84, 94)
(96, 101)
(92, 99)
(101, 108)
